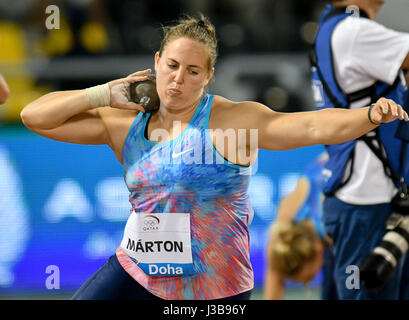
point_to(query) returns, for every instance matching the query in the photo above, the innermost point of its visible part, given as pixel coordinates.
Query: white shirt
(364, 52)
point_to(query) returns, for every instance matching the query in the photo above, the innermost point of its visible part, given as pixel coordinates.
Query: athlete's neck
(166, 116)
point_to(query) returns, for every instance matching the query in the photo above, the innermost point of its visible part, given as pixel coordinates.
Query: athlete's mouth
(174, 91)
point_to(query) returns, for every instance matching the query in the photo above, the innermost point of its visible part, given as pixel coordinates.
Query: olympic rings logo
(151, 221)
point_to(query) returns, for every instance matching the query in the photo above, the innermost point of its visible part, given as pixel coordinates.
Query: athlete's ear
(157, 57)
(209, 77)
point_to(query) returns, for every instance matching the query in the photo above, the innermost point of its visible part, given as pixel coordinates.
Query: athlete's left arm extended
(283, 131)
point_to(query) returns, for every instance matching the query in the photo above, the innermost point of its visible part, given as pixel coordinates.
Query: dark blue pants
(356, 231)
(112, 282)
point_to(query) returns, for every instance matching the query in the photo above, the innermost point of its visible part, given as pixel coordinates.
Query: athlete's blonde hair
(199, 29)
(294, 245)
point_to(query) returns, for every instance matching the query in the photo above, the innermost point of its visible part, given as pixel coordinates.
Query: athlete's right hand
(119, 95)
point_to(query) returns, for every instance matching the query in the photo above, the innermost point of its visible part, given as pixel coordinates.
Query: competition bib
(159, 243)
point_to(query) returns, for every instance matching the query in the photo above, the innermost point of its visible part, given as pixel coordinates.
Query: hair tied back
(201, 23)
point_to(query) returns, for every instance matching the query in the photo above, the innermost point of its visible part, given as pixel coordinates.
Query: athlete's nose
(179, 76)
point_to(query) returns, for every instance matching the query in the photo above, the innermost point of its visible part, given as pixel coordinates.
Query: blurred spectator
(130, 28)
(83, 28)
(4, 90)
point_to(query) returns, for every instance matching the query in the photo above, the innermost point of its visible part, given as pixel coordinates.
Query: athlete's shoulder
(229, 112)
(223, 104)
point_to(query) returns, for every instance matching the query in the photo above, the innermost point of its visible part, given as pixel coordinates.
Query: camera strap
(380, 153)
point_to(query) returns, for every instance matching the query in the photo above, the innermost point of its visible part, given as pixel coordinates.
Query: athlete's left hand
(386, 110)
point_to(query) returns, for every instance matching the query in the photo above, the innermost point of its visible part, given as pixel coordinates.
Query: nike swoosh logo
(175, 155)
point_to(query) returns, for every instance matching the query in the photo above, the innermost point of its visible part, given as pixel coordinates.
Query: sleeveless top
(188, 175)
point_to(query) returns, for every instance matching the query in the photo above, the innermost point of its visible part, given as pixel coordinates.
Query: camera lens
(375, 271)
(377, 268)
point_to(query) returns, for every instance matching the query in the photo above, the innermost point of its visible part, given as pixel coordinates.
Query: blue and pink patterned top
(188, 175)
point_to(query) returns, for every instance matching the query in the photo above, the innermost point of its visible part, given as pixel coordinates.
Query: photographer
(354, 60)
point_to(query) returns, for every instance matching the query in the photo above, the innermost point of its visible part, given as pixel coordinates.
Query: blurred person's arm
(274, 281)
(274, 284)
(4, 90)
(290, 204)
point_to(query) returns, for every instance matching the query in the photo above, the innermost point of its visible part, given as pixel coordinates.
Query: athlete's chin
(174, 102)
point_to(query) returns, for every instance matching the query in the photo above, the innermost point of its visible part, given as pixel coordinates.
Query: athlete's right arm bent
(65, 116)
(68, 116)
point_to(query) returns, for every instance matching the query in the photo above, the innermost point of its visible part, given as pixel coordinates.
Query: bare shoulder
(244, 114)
(117, 123)
(222, 104)
(236, 114)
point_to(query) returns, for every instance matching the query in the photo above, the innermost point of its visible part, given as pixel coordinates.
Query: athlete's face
(182, 73)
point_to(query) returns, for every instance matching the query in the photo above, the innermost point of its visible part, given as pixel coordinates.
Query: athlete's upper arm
(276, 130)
(84, 128)
(117, 124)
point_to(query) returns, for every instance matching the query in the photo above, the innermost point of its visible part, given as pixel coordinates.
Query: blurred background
(62, 206)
